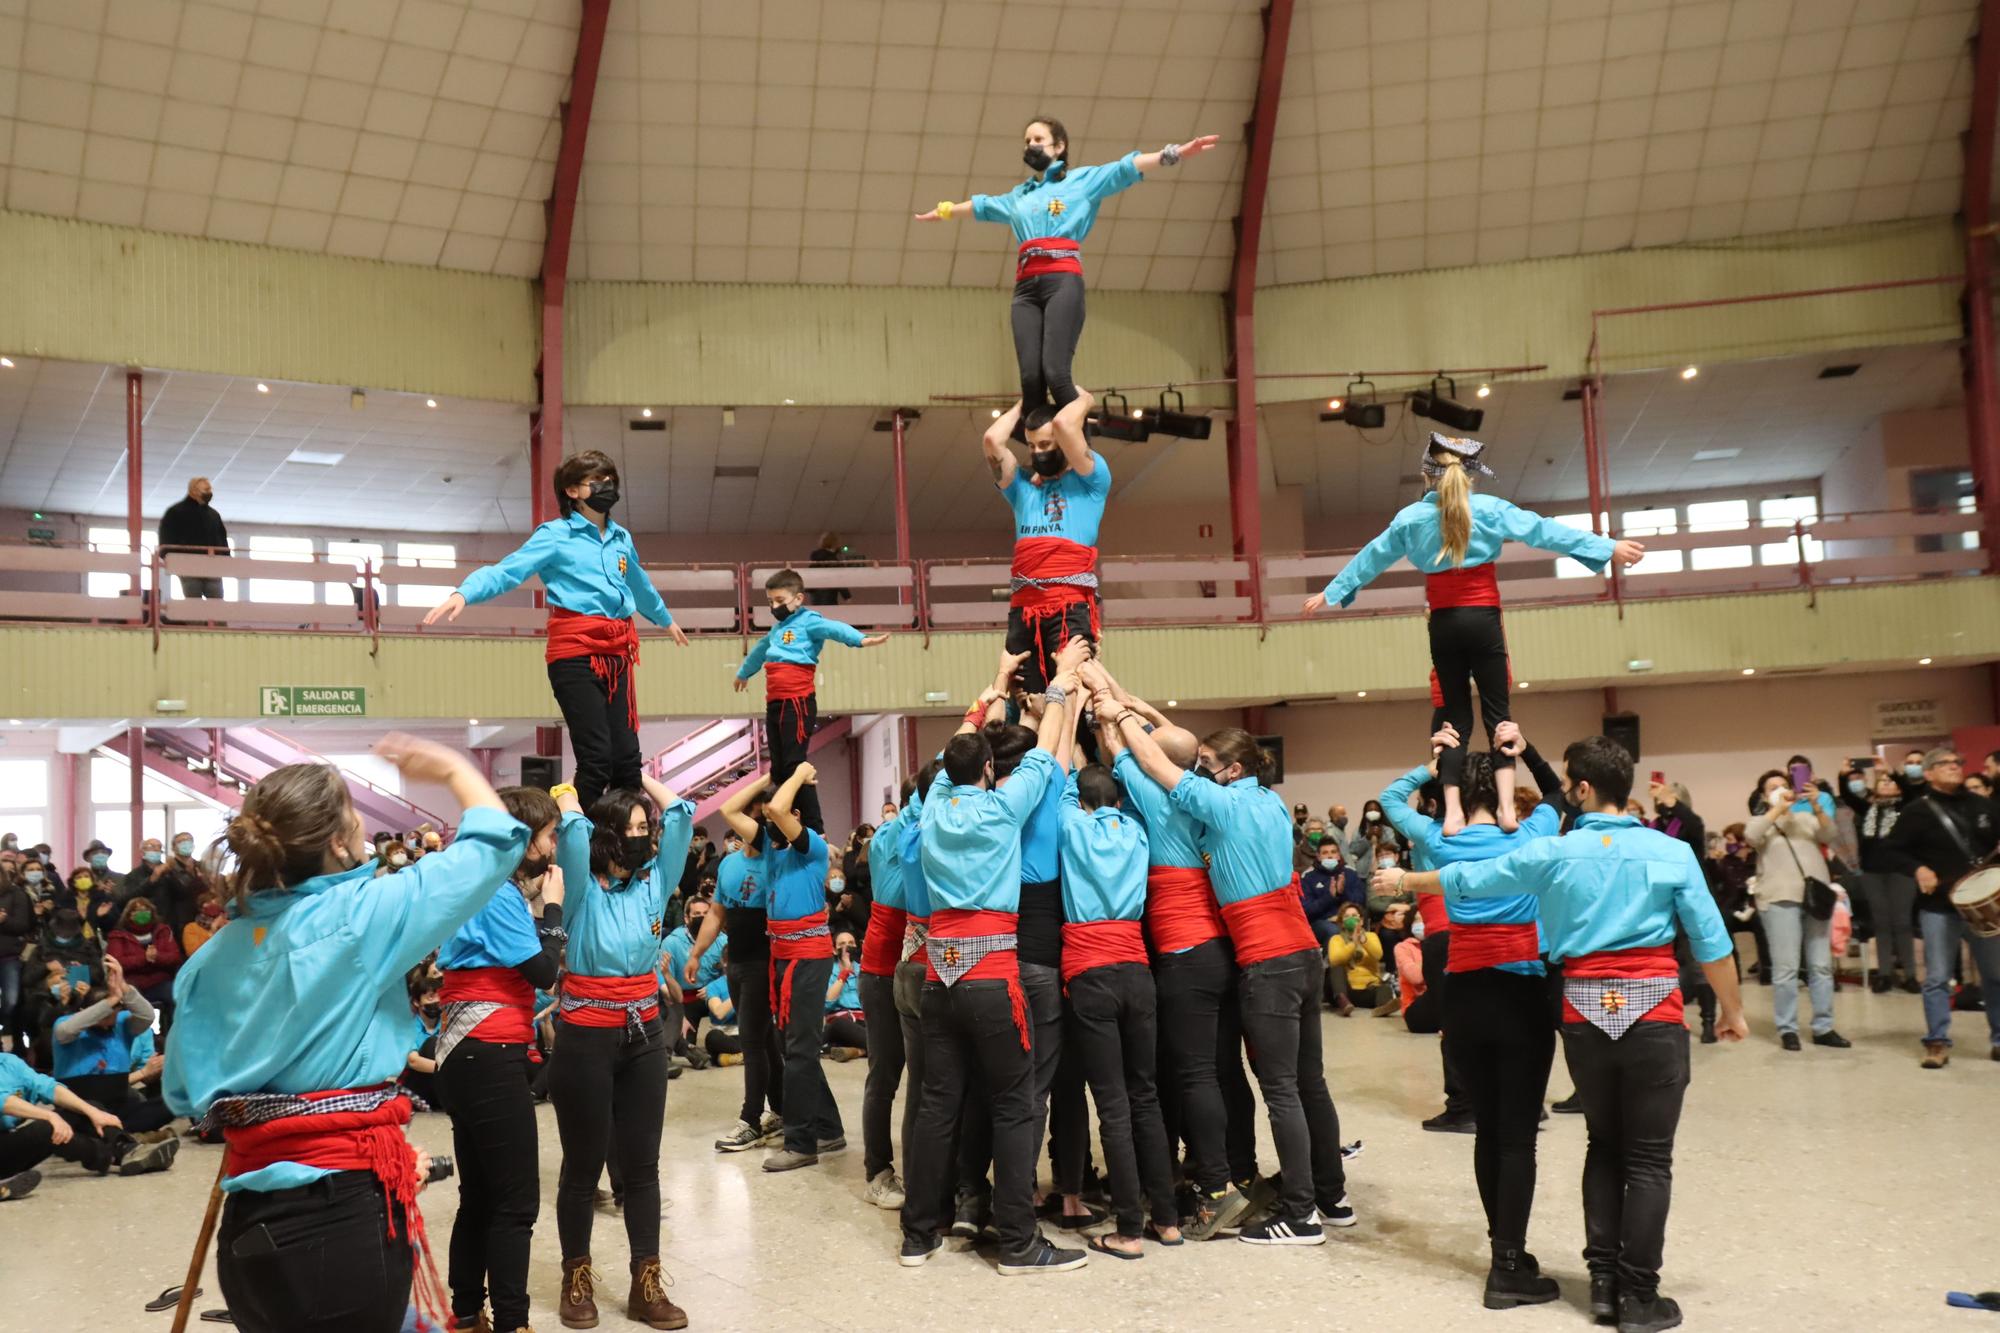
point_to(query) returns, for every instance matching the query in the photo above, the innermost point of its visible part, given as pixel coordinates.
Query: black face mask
(1049, 462)
(603, 495)
(431, 1011)
(635, 850)
(782, 612)
(1037, 158)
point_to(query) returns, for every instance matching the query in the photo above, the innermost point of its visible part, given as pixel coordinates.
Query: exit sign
(312, 701)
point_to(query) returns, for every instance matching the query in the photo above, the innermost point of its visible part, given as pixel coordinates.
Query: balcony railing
(53, 583)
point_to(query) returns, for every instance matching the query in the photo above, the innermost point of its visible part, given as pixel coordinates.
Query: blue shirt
(1476, 842)
(1070, 505)
(1416, 535)
(615, 932)
(18, 1080)
(1173, 837)
(885, 863)
(849, 996)
(144, 1047)
(675, 950)
(1610, 883)
(303, 992)
(972, 837)
(798, 879)
(583, 572)
(718, 989)
(740, 881)
(796, 640)
(916, 887)
(95, 1050)
(1062, 204)
(1250, 834)
(1041, 837)
(502, 935)
(1103, 861)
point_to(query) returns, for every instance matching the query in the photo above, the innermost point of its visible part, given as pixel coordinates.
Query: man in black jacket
(1941, 832)
(193, 525)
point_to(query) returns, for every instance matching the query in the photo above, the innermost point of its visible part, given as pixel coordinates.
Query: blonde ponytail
(1454, 492)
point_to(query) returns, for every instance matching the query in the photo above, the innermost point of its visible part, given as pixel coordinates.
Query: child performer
(801, 962)
(293, 1026)
(591, 570)
(608, 1077)
(1051, 212)
(788, 655)
(1454, 535)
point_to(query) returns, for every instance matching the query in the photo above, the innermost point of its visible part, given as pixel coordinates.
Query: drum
(1977, 898)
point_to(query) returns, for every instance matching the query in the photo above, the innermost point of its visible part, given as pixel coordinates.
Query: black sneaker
(1832, 1039)
(1647, 1314)
(1790, 1041)
(1082, 1221)
(1284, 1231)
(1213, 1213)
(149, 1157)
(1708, 1037)
(1041, 1257)
(974, 1211)
(1515, 1279)
(19, 1185)
(916, 1251)
(1604, 1298)
(1340, 1215)
(1570, 1105)
(1452, 1122)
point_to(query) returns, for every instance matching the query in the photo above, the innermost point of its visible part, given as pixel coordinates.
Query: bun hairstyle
(1454, 492)
(1233, 745)
(280, 836)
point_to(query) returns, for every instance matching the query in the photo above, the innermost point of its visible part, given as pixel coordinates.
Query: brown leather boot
(648, 1303)
(577, 1306)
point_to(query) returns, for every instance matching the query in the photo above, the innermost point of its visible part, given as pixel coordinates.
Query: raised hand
(1074, 654)
(415, 757)
(808, 774)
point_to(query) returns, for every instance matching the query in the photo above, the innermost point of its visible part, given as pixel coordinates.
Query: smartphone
(1659, 778)
(78, 974)
(1801, 778)
(1864, 763)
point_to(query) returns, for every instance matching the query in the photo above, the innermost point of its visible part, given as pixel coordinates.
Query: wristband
(944, 209)
(558, 791)
(974, 715)
(1170, 156)
(1055, 694)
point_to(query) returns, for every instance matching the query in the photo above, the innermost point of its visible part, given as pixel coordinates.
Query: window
(296, 549)
(1944, 490)
(424, 555)
(169, 810)
(354, 555)
(24, 799)
(1565, 567)
(1719, 516)
(1782, 512)
(114, 541)
(1643, 523)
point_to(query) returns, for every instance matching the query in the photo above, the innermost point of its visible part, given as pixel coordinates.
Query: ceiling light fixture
(1690, 372)
(1177, 420)
(1173, 703)
(1357, 407)
(472, 722)
(1444, 408)
(646, 412)
(1923, 661)
(7, 361)
(1485, 391)
(1333, 404)
(430, 402)
(788, 402)
(1121, 423)
(1361, 694)
(1749, 671)
(996, 414)
(1523, 684)
(263, 388)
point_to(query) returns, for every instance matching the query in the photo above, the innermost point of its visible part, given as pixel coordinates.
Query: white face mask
(1373, 816)
(1386, 862)
(1329, 863)
(836, 884)
(1416, 927)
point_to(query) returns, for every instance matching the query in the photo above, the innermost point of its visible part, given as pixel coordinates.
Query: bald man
(193, 526)
(1203, 1087)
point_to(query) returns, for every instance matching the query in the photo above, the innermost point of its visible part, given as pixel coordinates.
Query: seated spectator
(1354, 955)
(723, 1044)
(1386, 857)
(846, 1035)
(1327, 884)
(95, 903)
(40, 1118)
(149, 955)
(426, 1008)
(93, 1050)
(17, 933)
(1410, 972)
(1393, 927)
(1373, 833)
(98, 857)
(395, 855)
(207, 920)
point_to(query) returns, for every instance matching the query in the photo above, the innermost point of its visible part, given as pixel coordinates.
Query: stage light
(1923, 661)
(1749, 671)
(1333, 404)
(646, 412)
(1178, 421)
(1119, 423)
(1485, 391)
(1357, 407)
(1690, 372)
(1442, 408)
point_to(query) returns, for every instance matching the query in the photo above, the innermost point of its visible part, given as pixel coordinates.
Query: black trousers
(315, 1259)
(1202, 1030)
(1112, 1027)
(970, 1027)
(609, 1087)
(844, 1029)
(1694, 982)
(718, 1042)
(113, 1093)
(600, 727)
(1468, 647)
(757, 1029)
(1500, 1028)
(1427, 1014)
(1060, 1110)
(1632, 1090)
(789, 725)
(1279, 998)
(29, 1143)
(1048, 319)
(811, 1116)
(1042, 640)
(908, 985)
(885, 1073)
(499, 1188)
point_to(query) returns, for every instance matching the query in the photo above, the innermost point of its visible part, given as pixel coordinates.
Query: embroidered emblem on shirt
(951, 955)
(1055, 208)
(656, 928)
(787, 637)
(1054, 506)
(257, 935)
(621, 565)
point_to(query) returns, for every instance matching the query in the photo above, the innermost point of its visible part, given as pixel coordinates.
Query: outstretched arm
(994, 444)
(1199, 144)
(946, 211)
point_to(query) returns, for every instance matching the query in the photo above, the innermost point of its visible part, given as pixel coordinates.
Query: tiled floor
(1822, 1190)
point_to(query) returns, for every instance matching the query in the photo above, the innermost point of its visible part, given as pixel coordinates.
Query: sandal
(1097, 1244)
(167, 1300)
(1153, 1233)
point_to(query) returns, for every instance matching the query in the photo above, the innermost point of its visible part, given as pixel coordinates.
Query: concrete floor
(1823, 1190)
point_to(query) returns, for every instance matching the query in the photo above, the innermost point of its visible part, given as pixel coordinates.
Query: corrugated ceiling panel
(85, 292)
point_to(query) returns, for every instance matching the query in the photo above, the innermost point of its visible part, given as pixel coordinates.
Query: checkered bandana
(955, 957)
(1467, 450)
(810, 932)
(460, 1018)
(261, 1108)
(1614, 1004)
(915, 934)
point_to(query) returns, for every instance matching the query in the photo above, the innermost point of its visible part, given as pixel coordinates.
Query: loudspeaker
(1276, 746)
(539, 770)
(1624, 728)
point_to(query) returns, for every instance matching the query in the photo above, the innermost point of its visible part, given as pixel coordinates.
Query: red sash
(1180, 908)
(1436, 916)
(1475, 585)
(1475, 946)
(513, 1021)
(1654, 960)
(882, 945)
(787, 680)
(818, 945)
(1088, 944)
(622, 990)
(949, 923)
(611, 645)
(1269, 925)
(370, 1141)
(1033, 266)
(1051, 558)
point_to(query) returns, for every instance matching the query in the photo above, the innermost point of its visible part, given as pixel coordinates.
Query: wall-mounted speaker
(540, 770)
(1624, 728)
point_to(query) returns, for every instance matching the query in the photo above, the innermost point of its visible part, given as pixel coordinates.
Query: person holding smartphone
(1790, 825)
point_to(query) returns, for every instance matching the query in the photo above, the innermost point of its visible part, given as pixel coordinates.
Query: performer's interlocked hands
(1508, 740)
(1073, 655)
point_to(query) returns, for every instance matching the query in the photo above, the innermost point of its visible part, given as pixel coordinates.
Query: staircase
(720, 758)
(220, 763)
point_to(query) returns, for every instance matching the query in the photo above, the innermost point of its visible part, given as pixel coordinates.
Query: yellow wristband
(560, 789)
(944, 209)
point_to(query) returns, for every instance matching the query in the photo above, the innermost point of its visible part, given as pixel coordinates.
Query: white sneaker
(885, 1190)
(740, 1139)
